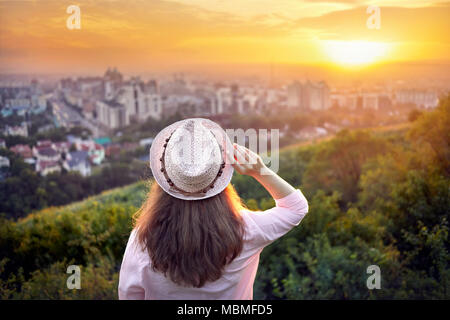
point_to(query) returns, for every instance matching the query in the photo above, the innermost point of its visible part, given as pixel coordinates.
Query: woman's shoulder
(136, 249)
(250, 218)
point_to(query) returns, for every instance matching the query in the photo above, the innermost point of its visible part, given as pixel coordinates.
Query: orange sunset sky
(137, 35)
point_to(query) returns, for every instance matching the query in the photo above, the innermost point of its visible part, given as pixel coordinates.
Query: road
(68, 116)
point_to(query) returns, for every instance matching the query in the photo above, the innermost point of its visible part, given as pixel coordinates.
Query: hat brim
(156, 151)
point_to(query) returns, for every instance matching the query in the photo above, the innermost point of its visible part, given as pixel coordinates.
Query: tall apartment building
(294, 91)
(112, 81)
(308, 96)
(140, 100)
(128, 101)
(422, 99)
(112, 114)
(221, 101)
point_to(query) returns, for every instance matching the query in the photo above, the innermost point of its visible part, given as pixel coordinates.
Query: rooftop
(103, 140)
(47, 164)
(112, 103)
(20, 147)
(47, 151)
(77, 157)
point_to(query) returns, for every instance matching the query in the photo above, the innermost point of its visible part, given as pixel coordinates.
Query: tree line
(375, 199)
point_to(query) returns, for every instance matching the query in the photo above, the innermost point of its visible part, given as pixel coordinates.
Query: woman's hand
(247, 162)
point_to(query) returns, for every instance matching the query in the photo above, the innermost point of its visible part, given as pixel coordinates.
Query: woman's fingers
(246, 161)
(239, 168)
(229, 154)
(240, 155)
(250, 156)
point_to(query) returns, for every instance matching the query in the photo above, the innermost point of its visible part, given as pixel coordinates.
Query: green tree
(432, 135)
(337, 164)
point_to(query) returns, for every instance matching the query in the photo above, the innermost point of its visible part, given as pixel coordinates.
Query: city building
(112, 114)
(62, 147)
(365, 100)
(420, 98)
(97, 154)
(146, 142)
(128, 101)
(4, 162)
(220, 101)
(47, 154)
(354, 101)
(315, 96)
(44, 143)
(140, 100)
(22, 150)
(21, 130)
(46, 167)
(229, 100)
(235, 101)
(294, 91)
(88, 109)
(28, 103)
(308, 96)
(375, 101)
(103, 141)
(39, 102)
(78, 161)
(4, 167)
(338, 100)
(370, 101)
(112, 82)
(18, 102)
(113, 150)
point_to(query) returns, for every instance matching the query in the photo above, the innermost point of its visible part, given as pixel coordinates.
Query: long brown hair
(190, 241)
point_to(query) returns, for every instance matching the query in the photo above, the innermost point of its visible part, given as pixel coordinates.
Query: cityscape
(106, 105)
(345, 103)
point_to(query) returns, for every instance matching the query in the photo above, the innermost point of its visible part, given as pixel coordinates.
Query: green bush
(375, 199)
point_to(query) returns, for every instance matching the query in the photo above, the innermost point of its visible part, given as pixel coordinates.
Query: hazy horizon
(426, 72)
(230, 38)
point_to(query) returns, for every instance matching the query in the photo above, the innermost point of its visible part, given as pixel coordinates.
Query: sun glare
(355, 53)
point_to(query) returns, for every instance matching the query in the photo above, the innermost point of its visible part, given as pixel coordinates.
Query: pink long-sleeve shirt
(138, 281)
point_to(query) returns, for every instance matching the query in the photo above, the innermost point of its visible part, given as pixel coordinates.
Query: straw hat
(188, 159)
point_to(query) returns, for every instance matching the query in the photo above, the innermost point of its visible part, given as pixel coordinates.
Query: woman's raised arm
(249, 163)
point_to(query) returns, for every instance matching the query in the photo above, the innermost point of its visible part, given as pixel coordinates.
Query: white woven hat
(188, 159)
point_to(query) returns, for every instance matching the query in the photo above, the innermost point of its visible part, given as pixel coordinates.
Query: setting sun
(355, 53)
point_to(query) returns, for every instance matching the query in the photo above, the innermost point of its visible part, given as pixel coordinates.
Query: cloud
(149, 33)
(333, 1)
(424, 24)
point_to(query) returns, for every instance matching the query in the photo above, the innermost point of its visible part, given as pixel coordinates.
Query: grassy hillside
(95, 229)
(376, 198)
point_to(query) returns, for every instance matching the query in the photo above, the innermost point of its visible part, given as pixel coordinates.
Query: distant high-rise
(113, 75)
(140, 100)
(220, 101)
(112, 114)
(152, 86)
(308, 96)
(294, 95)
(421, 98)
(234, 108)
(112, 81)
